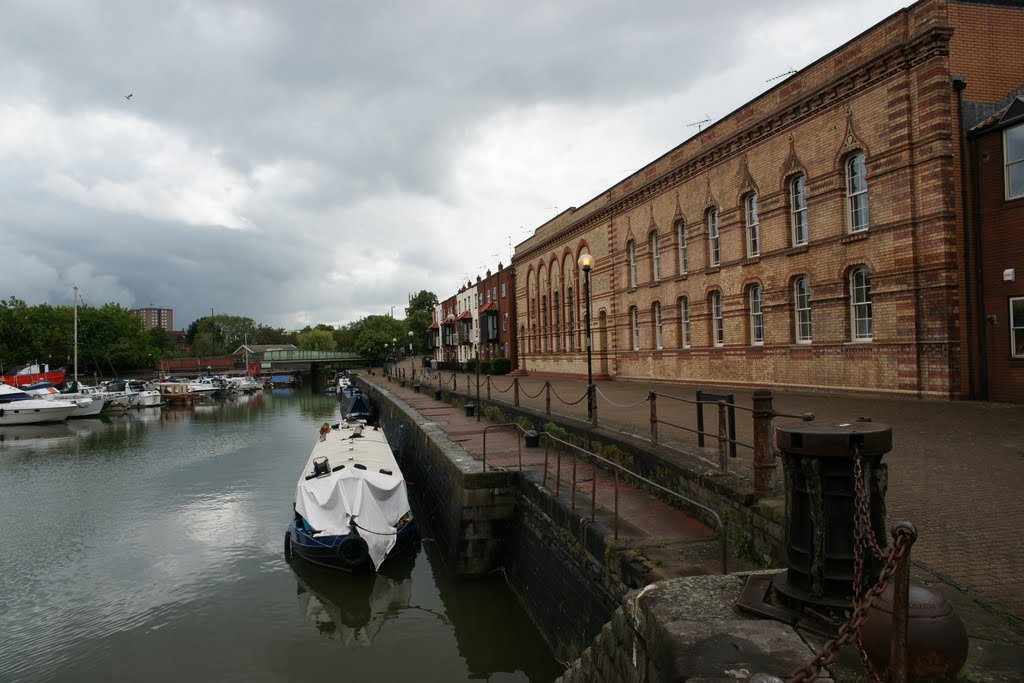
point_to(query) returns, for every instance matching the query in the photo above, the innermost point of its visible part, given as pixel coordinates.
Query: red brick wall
(1002, 247)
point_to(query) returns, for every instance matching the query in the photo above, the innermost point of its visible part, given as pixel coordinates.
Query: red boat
(31, 374)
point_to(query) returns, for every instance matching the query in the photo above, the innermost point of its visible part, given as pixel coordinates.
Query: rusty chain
(850, 631)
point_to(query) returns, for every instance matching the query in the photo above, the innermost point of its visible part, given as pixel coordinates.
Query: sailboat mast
(76, 338)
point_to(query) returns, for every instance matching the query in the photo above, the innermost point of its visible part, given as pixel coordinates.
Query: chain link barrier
(619, 405)
(864, 539)
(539, 392)
(580, 399)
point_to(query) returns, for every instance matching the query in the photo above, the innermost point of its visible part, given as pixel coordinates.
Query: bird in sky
(129, 96)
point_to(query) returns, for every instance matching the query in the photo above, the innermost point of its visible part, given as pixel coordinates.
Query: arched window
(684, 322)
(655, 257)
(558, 322)
(756, 317)
(659, 339)
(681, 246)
(571, 300)
(631, 255)
(717, 320)
(860, 304)
(802, 309)
(798, 210)
(634, 328)
(857, 192)
(753, 226)
(714, 252)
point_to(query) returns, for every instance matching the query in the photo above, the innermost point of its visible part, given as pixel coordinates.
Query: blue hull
(347, 553)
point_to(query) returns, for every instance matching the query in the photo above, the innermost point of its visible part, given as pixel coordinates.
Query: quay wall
(567, 571)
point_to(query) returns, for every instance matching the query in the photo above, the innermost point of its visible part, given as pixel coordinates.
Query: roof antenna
(782, 75)
(700, 124)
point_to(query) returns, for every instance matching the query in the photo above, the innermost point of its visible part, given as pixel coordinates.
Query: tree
(418, 316)
(374, 332)
(317, 340)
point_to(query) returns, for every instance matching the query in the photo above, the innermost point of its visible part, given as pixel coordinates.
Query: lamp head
(586, 261)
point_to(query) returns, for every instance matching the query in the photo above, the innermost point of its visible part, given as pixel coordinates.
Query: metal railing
(594, 459)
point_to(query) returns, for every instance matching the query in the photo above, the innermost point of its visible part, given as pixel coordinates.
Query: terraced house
(824, 236)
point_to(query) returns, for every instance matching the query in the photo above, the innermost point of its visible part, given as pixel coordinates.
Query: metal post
(590, 365)
(547, 398)
(488, 387)
(593, 405)
(654, 418)
(478, 381)
(700, 418)
(723, 441)
(515, 385)
(765, 475)
(898, 652)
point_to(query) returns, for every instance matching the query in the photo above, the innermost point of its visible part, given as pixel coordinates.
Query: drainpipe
(979, 275)
(958, 85)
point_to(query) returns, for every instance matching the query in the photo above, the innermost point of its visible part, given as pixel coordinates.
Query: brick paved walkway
(956, 469)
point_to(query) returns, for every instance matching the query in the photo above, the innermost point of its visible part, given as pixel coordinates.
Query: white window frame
(631, 254)
(857, 192)
(861, 322)
(655, 257)
(717, 320)
(681, 242)
(502, 290)
(802, 310)
(684, 319)
(634, 321)
(504, 322)
(756, 316)
(659, 339)
(1016, 326)
(1013, 144)
(753, 225)
(800, 231)
(714, 246)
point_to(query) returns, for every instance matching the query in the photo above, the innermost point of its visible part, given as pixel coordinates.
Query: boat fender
(324, 429)
(353, 551)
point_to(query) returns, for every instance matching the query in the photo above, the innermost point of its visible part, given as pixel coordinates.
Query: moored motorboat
(351, 502)
(18, 408)
(87, 405)
(32, 374)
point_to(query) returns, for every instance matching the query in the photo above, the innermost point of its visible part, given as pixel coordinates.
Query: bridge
(307, 360)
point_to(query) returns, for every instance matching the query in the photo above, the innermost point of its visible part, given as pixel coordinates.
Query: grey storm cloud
(317, 161)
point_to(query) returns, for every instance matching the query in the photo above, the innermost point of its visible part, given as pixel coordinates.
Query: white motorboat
(351, 503)
(18, 408)
(88, 406)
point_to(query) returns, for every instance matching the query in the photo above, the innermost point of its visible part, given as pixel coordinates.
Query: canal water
(148, 546)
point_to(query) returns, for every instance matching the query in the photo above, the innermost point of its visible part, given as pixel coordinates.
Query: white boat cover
(375, 499)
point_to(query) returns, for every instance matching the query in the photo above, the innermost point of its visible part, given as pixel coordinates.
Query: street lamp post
(586, 262)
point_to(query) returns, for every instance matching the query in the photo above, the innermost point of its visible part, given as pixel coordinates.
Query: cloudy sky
(318, 160)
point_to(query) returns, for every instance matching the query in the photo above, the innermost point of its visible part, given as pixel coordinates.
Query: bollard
(488, 387)
(593, 404)
(416, 387)
(515, 385)
(532, 439)
(547, 398)
(654, 418)
(437, 394)
(470, 409)
(819, 461)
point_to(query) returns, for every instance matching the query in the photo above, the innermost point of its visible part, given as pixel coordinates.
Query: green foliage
(485, 367)
(317, 340)
(469, 365)
(492, 413)
(500, 366)
(524, 422)
(554, 430)
(418, 316)
(373, 332)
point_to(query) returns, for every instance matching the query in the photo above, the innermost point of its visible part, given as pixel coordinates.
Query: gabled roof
(262, 348)
(1015, 109)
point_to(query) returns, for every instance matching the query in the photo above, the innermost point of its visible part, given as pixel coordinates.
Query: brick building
(819, 238)
(479, 318)
(156, 317)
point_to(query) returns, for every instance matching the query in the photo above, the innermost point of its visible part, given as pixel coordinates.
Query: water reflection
(354, 608)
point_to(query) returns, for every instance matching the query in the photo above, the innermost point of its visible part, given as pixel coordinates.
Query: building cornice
(904, 56)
